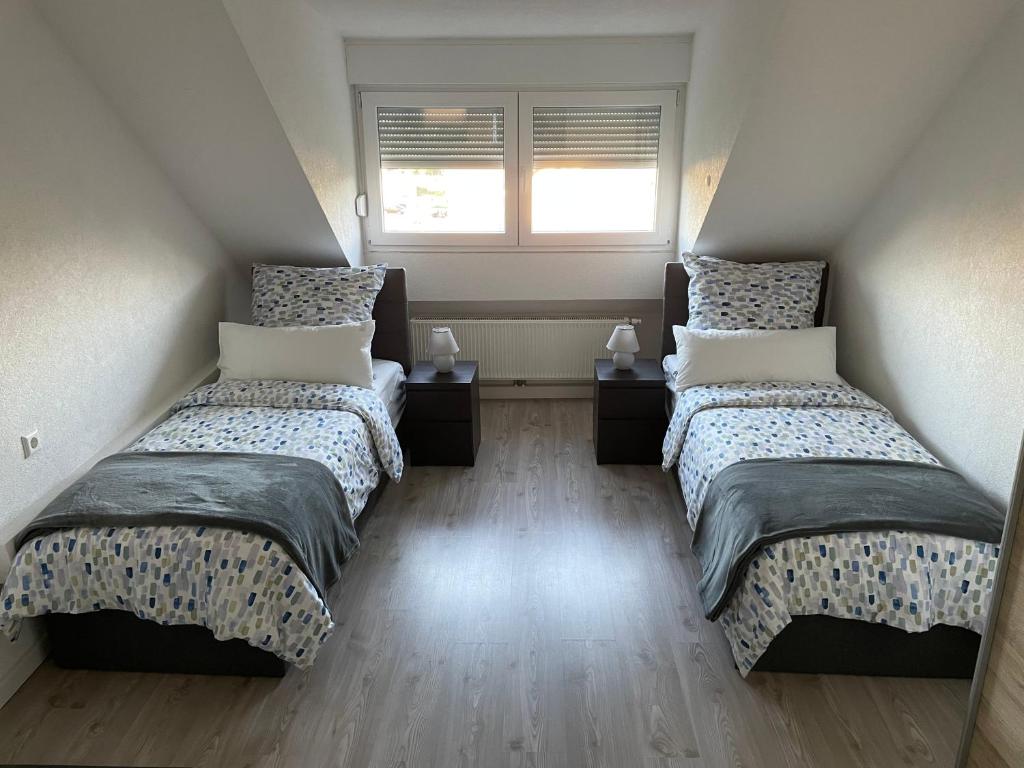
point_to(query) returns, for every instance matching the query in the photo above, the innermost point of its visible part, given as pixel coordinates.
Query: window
(440, 168)
(594, 167)
(533, 169)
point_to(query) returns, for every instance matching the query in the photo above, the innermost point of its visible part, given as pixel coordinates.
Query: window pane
(443, 199)
(442, 169)
(595, 168)
(594, 199)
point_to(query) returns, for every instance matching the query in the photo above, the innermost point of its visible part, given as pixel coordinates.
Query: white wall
(928, 288)
(530, 276)
(547, 62)
(110, 287)
(434, 19)
(300, 59)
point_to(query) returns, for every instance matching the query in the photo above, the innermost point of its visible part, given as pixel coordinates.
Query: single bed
(349, 431)
(879, 602)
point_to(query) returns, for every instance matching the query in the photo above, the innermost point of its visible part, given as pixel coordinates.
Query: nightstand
(629, 412)
(441, 424)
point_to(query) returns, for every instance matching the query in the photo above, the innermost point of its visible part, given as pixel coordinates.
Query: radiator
(525, 348)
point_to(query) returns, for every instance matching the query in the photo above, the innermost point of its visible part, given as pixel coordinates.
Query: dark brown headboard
(392, 339)
(676, 306)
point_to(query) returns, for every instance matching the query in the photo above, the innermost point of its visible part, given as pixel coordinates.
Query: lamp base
(444, 363)
(623, 361)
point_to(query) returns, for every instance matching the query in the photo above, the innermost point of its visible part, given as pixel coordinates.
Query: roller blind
(596, 137)
(441, 137)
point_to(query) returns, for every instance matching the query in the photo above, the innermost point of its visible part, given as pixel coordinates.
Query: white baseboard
(537, 392)
(18, 660)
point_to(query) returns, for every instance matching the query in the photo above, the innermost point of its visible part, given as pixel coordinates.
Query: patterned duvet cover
(238, 584)
(907, 580)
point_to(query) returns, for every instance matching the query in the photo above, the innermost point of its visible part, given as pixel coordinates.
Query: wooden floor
(536, 610)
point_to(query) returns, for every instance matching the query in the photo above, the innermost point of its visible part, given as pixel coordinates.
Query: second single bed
(907, 601)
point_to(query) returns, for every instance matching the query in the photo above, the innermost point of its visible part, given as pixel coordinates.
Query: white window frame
(518, 163)
(666, 200)
(376, 236)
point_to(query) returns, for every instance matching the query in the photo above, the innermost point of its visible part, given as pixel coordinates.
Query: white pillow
(329, 354)
(718, 357)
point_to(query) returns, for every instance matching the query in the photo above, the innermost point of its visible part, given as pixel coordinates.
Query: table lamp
(442, 349)
(624, 346)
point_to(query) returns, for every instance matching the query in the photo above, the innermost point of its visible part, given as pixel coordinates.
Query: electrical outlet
(30, 443)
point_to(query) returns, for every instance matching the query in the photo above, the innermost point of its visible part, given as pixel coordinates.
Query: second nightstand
(629, 413)
(441, 424)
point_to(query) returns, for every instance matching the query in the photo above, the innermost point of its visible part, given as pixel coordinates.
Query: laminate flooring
(533, 610)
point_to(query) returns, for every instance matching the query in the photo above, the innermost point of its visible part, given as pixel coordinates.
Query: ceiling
(512, 18)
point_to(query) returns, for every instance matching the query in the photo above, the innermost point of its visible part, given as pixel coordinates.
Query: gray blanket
(298, 503)
(763, 501)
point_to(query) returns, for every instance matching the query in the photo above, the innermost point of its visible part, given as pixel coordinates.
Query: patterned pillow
(314, 295)
(774, 296)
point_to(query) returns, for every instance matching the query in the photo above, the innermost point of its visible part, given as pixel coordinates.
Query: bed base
(832, 646)
(120, 641)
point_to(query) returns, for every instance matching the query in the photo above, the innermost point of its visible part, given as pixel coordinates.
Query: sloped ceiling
(180, 78)
(796, 109)
(843, 92)
(300, 60)
(728, 52)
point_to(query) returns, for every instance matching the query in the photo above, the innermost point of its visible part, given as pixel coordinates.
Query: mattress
(907, 580)
(389, 386)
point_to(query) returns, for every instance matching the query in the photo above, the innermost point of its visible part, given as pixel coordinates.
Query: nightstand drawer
(629, 441)
(630, 402)
(442, 443)
(440, 405)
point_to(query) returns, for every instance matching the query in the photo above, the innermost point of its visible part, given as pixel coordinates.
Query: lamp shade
(442, 342)
(624, 340)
